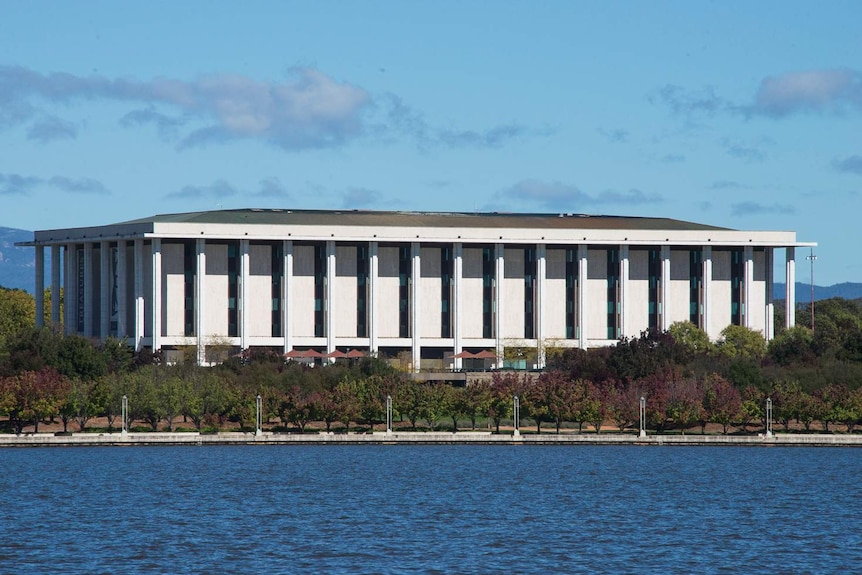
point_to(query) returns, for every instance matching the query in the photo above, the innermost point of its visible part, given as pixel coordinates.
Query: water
(430, 509)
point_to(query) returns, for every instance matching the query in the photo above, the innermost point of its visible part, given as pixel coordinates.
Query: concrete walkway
(419, 438)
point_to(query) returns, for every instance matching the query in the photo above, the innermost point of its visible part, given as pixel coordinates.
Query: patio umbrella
(464, 355)
(486, 354)
(335, 354)
(355, 354)
(293, 353)
(311, 353)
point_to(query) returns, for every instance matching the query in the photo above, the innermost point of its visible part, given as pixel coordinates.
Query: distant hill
(847, 290)
(17, 264)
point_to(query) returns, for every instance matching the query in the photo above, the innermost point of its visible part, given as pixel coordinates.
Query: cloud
(79, 186)
(22, 185)
(52, 128)
(557, 196)
(616, 136)
(360, 198)
(16, 184)
(306, 110)
(754, 208)
(747, 151)
(682, 101)
(217, 190)
(850, 165)
(272, 188)
(809, 91)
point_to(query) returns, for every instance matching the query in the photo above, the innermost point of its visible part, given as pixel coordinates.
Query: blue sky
(739, 114)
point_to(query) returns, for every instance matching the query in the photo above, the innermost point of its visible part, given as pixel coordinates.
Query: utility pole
(812, 258)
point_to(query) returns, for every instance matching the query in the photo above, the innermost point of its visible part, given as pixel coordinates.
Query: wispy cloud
(360, 198)
(217, 190)
(308, 109)
(672, 158)
(747, 151)
(79, 186)
(754, 209)
(52, 128)
(16, 184)
(724, 185)
(807, 91)
(557, 196)
(22, 185)
(615, 135)
(272, 188)
(850, 165)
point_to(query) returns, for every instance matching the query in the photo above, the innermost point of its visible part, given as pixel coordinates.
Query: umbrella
(294, 353)
(464, 355)
(335, 354)
(311, 353)
(485, 354)
(355, 354)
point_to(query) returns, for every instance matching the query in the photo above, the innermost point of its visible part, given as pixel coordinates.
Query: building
(414, 285)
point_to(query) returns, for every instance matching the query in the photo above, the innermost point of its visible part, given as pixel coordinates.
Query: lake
(431, 509)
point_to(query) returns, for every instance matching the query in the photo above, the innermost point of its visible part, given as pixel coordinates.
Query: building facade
(425, 286)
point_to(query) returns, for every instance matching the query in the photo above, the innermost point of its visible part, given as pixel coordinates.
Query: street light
(517, 402)
(768, 417)
(388, 414)
(812, 258)
(642, 414)
(258, 404)
(125, 412)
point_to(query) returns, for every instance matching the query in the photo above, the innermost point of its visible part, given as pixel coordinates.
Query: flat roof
(371, 218)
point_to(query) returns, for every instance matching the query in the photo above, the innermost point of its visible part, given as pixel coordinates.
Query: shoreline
(419, 438)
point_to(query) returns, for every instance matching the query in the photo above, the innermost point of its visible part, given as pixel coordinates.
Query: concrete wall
(755, 307)
(216, 282)
(471, 293)
(173, 290)
(555, 294)
(388, 291)
(597, 294)
(301, 298)
(258, 306)
(346, 295)
(637, 306)
(430, 294)
(678, 306)
(513, 294)
(719, 300)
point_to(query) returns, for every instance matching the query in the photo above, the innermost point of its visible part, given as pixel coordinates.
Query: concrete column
(664, 317)
(457, 309)
(329, 318)
(88, 290)
(706, 295)
(416, 305)
(790, 284)
(200, 297)
(373, 298)
(156, 338)
(70, 295)
(122, 284)
(286, 294)
(582, 295)
(769, 322)
(105, 284)
(747, 284)
(624, 291)
(244, 263)
(140, 321)
(55, 284)
(39, 296)
(541, 265)
(499, 300)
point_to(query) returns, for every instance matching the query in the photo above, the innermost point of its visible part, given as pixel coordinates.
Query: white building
(414, 284)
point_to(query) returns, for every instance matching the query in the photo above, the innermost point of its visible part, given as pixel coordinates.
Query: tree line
(813, 378)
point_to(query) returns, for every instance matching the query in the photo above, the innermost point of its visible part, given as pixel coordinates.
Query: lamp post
(768, 417)
(388, 414)
(258, 405)
(125, 414)
(517, 418)
(642, 414)
(812, 258)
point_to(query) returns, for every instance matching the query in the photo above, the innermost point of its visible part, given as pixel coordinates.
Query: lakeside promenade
(419, 438)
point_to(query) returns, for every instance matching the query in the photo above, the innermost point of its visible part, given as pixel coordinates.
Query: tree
(692, 339)
(17, 313)
(741, 342)
(793, 346)
(722, 402)
(31, 396)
